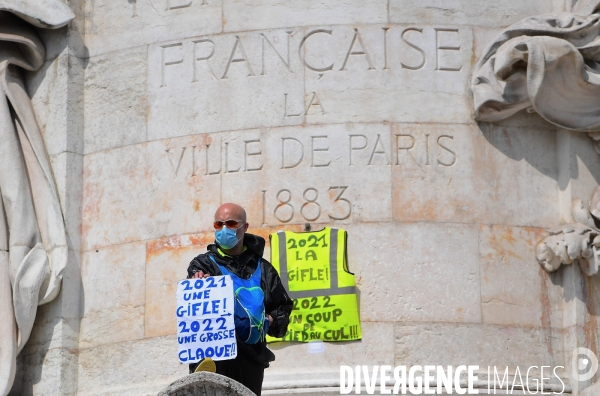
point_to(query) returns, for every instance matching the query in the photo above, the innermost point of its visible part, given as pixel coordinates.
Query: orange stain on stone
(92, 199)
(506, 242)
(501, 239)
(158, 246)
(505, 234)
(175, 242)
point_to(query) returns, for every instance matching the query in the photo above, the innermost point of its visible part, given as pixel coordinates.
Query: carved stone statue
(575, 242)
(33, 245)
(549, 64)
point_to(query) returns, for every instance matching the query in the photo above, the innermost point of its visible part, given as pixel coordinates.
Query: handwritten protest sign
(205, 326)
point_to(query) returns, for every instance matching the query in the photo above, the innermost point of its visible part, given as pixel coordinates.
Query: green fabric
(223, 254)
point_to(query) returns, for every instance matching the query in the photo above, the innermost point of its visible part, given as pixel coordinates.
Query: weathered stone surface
(51, 331)
(461, 12)
(392, 273)
(139, 367)
(205, 384)
(513, 291)
(474, 344)
(50, 100)
(584, 166)
(166, 263)
(272, 14)
(49, 372)
(111, 26)
(113, 290)
(155, 175)
(115, 101)
(462, 173)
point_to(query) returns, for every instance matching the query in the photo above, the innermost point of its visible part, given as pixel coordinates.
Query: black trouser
(243, 369)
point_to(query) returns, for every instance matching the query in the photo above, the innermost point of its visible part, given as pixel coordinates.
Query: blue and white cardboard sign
(205, 326)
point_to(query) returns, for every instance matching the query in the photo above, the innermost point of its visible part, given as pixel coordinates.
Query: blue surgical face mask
(227, 238)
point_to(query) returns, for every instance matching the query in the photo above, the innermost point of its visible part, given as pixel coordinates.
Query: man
(240, 254)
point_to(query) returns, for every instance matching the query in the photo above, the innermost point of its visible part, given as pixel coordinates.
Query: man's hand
(200, 274)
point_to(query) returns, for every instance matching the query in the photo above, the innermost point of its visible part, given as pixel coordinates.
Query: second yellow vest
(312, 267)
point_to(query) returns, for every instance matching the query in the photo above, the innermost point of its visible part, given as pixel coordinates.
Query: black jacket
(277, 302)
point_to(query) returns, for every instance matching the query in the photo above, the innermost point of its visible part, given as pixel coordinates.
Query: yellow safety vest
(312, 267)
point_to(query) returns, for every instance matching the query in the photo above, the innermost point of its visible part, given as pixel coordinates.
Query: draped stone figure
(549, 64)
(33, 245)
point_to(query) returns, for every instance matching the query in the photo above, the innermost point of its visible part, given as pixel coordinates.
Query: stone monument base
(205, 384)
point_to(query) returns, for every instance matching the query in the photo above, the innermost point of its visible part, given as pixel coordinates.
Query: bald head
(230, 211)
